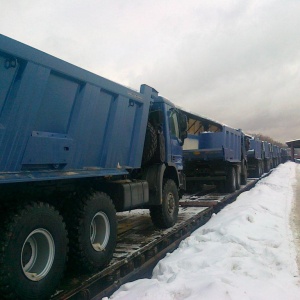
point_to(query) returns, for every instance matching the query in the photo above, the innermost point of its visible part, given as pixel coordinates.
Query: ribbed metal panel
(57, 116)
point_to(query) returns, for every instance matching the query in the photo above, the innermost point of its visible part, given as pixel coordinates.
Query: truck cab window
(174, 127)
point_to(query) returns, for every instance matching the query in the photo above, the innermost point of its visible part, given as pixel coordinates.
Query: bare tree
(268, 139)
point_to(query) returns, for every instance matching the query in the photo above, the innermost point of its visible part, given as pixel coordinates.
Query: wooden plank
(199, 203)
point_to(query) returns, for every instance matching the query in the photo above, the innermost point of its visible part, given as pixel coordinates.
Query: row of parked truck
(214, 153)
(76, 148)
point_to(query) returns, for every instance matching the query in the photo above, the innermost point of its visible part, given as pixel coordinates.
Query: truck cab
(213, 154)
(162, 166)
(75, 149)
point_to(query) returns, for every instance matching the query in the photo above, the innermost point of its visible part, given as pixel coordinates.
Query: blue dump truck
(283, 155)
(214, 154)
(255, 158)
(263, 156)
(267, 156)
(76, 148)
(276, 156)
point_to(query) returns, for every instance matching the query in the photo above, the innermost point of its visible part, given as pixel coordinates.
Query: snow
(244, 252)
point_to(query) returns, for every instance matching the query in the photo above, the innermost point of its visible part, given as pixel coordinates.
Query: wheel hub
(171, 203)
(99, 231)
(27, 253)
(37, 254)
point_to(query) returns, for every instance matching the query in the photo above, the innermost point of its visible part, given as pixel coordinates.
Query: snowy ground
(245, 252)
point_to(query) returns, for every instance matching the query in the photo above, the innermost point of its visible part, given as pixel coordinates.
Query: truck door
(176, 137)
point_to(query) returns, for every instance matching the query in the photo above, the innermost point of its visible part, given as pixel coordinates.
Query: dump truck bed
(224, 145)
(58, 120)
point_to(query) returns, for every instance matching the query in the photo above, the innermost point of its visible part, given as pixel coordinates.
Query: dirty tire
(220, 186)
(160, 152)
(230, 184)
(258, 170)
(266, 166)
(150, 144)
(165, 215)
(261, 165)
(29, 231)
(92, 228)
(244, 175)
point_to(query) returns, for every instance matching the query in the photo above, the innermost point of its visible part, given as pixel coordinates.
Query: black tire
(160, 152)
(238, 178)
(258, 169)
(92, 227)
(230, 184)
(33, 252)
(220, 186)
(244, 175)
(261, 163)
(150, 144)
(166, 214)
(267, 166)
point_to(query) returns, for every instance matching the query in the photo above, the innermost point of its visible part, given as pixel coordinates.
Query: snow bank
(244, 252)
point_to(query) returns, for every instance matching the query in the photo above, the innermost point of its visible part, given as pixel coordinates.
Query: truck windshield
(173, 121)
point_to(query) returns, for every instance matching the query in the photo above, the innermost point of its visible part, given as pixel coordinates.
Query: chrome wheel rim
(99, 231)
(37, 254)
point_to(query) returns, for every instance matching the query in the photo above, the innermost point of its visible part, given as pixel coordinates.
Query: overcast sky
(237, 62)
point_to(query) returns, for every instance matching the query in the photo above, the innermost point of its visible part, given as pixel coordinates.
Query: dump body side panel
(55, 116)
(257, 165)
(255, 150)
(224, 145)
(211, 151)
(266, 150)
(283, 155)
(276, 155)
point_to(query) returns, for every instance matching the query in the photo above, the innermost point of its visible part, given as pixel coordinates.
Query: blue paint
(255, 150)
(266, 149)
(54, 115)
(224, 145)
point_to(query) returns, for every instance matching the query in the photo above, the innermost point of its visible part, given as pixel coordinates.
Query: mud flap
(154, 176)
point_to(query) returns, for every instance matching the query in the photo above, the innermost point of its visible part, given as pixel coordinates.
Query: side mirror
(183, 124)
(184, 135)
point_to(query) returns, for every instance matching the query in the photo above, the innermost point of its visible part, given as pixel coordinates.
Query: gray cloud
(234, 61)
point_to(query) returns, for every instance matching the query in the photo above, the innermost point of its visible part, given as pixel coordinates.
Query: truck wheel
(238, 178)
(244, 175)
(165, 215)
(220, 187)
(258, 171)
(92, 227)
(231, 180)
(33, 251)
(150, 144)
(267, 167)
(261, 168)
